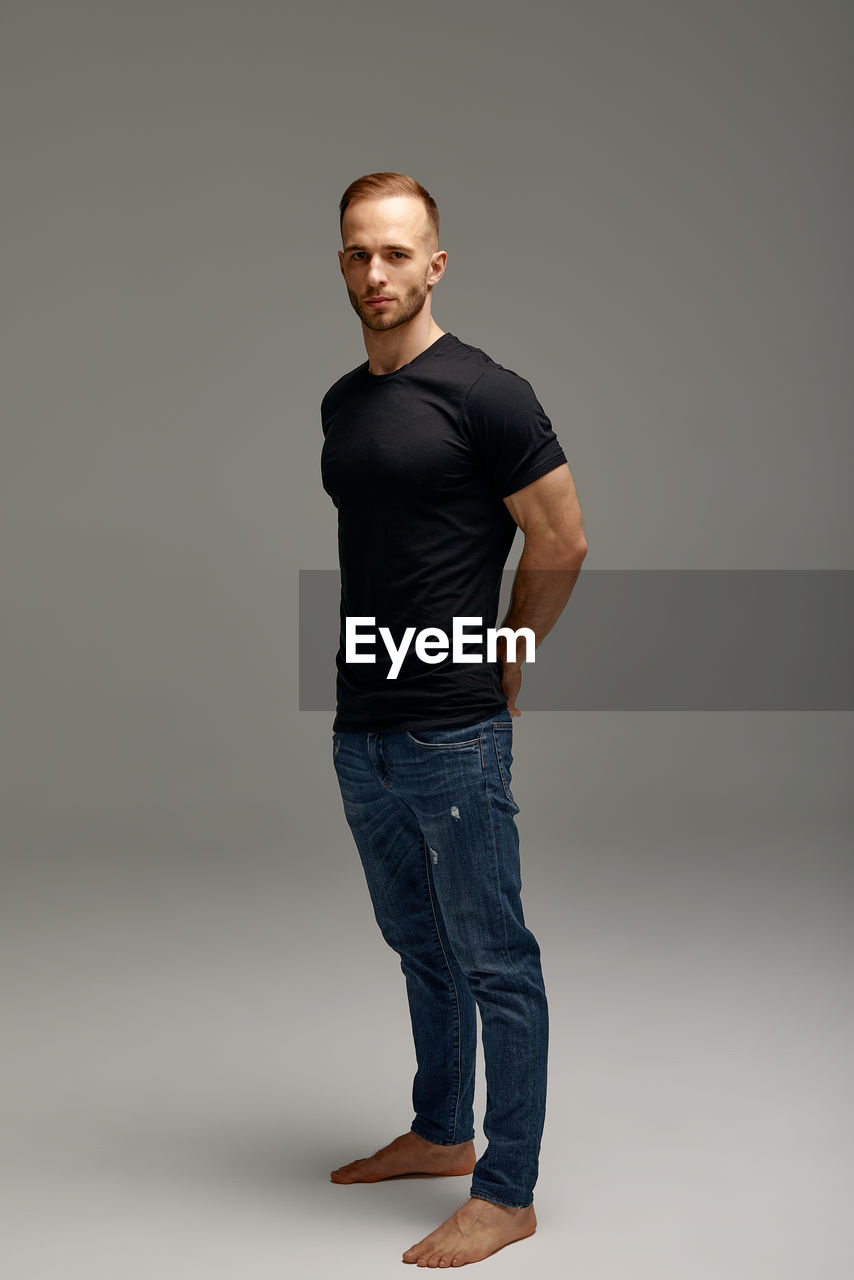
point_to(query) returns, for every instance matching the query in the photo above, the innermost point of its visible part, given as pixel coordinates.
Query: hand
(511, 683)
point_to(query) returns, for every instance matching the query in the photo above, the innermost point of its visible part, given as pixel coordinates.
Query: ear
(437, 266)
(341, 261)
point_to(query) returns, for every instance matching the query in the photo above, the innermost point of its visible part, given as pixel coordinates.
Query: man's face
(389, 261)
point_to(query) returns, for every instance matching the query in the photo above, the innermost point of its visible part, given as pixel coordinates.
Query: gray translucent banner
(656, 640)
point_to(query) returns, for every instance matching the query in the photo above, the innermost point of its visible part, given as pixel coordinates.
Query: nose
(376, 272)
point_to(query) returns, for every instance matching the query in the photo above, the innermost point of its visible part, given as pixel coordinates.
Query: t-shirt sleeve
(509, 431)
(324, 411)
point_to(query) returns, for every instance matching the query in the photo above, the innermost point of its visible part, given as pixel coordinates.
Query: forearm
(547, 572)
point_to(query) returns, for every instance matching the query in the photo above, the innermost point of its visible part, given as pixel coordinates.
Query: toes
(423, 1257)
(419, 1252)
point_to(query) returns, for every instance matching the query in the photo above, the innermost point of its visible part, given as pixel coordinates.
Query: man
(433, 454)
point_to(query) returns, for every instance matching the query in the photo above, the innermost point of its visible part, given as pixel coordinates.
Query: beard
(403, 309)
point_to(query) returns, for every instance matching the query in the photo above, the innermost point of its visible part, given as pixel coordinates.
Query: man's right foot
(409, 1156)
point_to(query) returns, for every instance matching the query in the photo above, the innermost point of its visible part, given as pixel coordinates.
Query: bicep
(549, 507)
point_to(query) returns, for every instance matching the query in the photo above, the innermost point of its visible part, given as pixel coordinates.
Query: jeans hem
(488, 1196)
(438, 1142)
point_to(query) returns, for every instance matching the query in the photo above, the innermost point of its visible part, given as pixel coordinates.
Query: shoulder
(344, 386)
(484, 381)
(498, 389)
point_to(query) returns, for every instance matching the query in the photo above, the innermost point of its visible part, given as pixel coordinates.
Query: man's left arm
(548, 513)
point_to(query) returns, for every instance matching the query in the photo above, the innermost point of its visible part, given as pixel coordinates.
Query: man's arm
(549, 515)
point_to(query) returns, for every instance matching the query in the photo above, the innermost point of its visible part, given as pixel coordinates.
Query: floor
(202, 1020)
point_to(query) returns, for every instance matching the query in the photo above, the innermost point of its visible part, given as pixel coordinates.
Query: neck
(396, 347)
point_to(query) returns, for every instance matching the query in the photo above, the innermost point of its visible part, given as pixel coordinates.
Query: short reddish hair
(374, 186)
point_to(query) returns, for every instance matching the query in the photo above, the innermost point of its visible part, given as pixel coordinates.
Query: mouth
(377, 302)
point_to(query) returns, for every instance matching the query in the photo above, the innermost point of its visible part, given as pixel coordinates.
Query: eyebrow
(405, 248)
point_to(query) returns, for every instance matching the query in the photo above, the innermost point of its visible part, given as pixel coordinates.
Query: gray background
(647, 212)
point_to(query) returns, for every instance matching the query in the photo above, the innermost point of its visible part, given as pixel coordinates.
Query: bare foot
(409, 1156)
(475, 1231)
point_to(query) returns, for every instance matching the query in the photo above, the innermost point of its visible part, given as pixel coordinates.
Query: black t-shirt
(417, 462)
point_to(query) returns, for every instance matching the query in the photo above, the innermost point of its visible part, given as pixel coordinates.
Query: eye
(358, 254)
(397, 254)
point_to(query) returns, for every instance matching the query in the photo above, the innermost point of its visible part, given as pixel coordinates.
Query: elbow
(557, 551)
(574, 555)
(571, 550)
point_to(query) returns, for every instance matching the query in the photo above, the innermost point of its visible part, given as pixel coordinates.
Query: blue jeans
(433, 818)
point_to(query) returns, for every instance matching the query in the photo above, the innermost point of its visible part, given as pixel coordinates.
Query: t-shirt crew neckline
(432, 350)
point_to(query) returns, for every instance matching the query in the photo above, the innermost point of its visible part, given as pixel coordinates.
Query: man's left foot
(471, 1234)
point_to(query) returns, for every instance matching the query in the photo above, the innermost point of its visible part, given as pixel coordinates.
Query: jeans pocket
(456, 739)
(502, 737)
